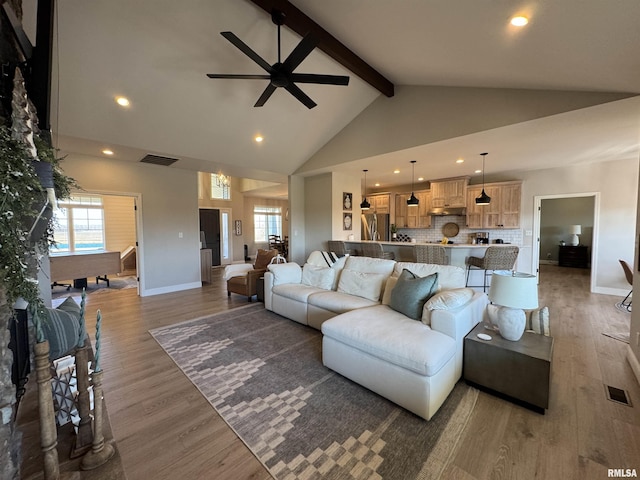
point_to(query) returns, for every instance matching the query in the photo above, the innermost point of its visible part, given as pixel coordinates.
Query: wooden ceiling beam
(300, 23)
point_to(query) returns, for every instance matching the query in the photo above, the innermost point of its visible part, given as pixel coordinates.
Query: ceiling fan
(281, 74)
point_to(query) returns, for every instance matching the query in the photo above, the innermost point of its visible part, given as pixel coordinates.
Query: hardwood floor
(164, 428)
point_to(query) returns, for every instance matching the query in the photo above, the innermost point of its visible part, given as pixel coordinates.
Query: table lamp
(575, 230)
(513, 292)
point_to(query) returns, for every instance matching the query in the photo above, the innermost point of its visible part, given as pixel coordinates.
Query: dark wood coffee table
(519, 371)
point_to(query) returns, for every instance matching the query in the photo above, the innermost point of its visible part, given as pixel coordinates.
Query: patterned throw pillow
(538, 321)
(411, 292)
(61, 328)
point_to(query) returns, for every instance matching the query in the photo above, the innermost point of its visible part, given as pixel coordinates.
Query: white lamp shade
(514, 290)
(575, 230)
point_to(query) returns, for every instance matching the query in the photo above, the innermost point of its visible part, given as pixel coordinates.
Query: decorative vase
(511, 323)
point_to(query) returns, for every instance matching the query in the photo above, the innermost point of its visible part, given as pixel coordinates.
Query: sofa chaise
(414, 357)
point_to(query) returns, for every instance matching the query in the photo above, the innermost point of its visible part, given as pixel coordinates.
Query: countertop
(448, 245)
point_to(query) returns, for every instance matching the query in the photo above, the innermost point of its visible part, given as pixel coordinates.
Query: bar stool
(434, 254)
(495, 258)
(337, 247)
(374, 250)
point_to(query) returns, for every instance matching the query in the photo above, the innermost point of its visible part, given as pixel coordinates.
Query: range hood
(444, 211)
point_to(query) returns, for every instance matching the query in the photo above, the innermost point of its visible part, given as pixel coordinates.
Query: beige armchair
(243, 278)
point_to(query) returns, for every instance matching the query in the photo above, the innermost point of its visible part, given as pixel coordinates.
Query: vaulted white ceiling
(158, 52)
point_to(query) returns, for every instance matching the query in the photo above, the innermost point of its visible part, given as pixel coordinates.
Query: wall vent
(158, 160)
(617, 395)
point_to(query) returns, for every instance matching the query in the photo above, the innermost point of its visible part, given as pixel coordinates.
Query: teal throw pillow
(411, 292)
(61, 328)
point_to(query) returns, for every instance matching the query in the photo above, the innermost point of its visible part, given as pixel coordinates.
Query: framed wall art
(347, 200)
(347, 221)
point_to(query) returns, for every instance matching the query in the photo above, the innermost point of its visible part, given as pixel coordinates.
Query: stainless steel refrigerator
(375, 226)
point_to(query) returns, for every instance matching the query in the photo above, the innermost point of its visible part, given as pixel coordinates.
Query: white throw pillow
(449, 299)
(285, 273)
(320, 277)
(360, 284)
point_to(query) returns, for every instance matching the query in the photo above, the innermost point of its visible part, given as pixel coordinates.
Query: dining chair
(629, 274)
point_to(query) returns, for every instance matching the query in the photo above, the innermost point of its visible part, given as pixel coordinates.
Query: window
(266, 221)
(220, 187)
(79, 224)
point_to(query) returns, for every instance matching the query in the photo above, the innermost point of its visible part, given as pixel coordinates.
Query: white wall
(617, 183)
(318, 211)
(633, 354)
(169, 207)
(418, 115)
(341, 183)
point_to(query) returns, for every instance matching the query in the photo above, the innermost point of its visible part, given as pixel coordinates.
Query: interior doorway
(556, 218)
(210, 232)
(215, 233)
(101, 221)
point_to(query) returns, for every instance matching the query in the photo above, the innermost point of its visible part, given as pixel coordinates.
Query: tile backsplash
(434, 234)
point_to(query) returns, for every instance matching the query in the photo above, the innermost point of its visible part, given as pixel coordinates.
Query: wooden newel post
(100, 451)
(84, 437)
(48, 431)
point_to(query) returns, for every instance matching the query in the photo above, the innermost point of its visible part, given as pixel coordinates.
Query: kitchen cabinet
(424, 207)
(502, 212)
(401, 210)
(380, 203)
(413, 217)
(449, 193)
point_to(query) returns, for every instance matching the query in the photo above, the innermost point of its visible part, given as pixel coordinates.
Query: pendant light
(365, 205)
(483, 199)
(413, 201)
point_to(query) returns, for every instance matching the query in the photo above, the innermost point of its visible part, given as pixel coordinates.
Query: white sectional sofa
(412, 362)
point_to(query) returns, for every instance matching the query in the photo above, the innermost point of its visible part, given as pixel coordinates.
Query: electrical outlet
(548, 256)
(179, 234)
(528, 233)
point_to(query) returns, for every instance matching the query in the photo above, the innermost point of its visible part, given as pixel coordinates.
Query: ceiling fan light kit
(280, 74)
(483, 199)
(413, 200)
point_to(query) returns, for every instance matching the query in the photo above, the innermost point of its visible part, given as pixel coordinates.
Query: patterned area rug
(264, 375)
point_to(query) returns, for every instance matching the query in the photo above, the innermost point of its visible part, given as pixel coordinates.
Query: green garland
(21, 196)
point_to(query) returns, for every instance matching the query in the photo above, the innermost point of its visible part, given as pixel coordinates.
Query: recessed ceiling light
(420, 179)
(377, 185)
(122, 101)
(519, 21)
(258, 138)
(478, 171)
(396, 171)
(106, 151)
(460, 160)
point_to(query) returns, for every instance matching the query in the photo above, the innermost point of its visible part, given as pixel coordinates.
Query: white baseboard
(170, 289)
(617, 292)
(633, 361)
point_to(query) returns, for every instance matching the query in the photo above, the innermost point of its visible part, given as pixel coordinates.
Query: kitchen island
(457, 253)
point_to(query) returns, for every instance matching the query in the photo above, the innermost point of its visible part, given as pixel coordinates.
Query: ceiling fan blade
(304, 48)
(247, 50)
(246, 77)
(265, 95)
(300, 95)
(322, 79)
